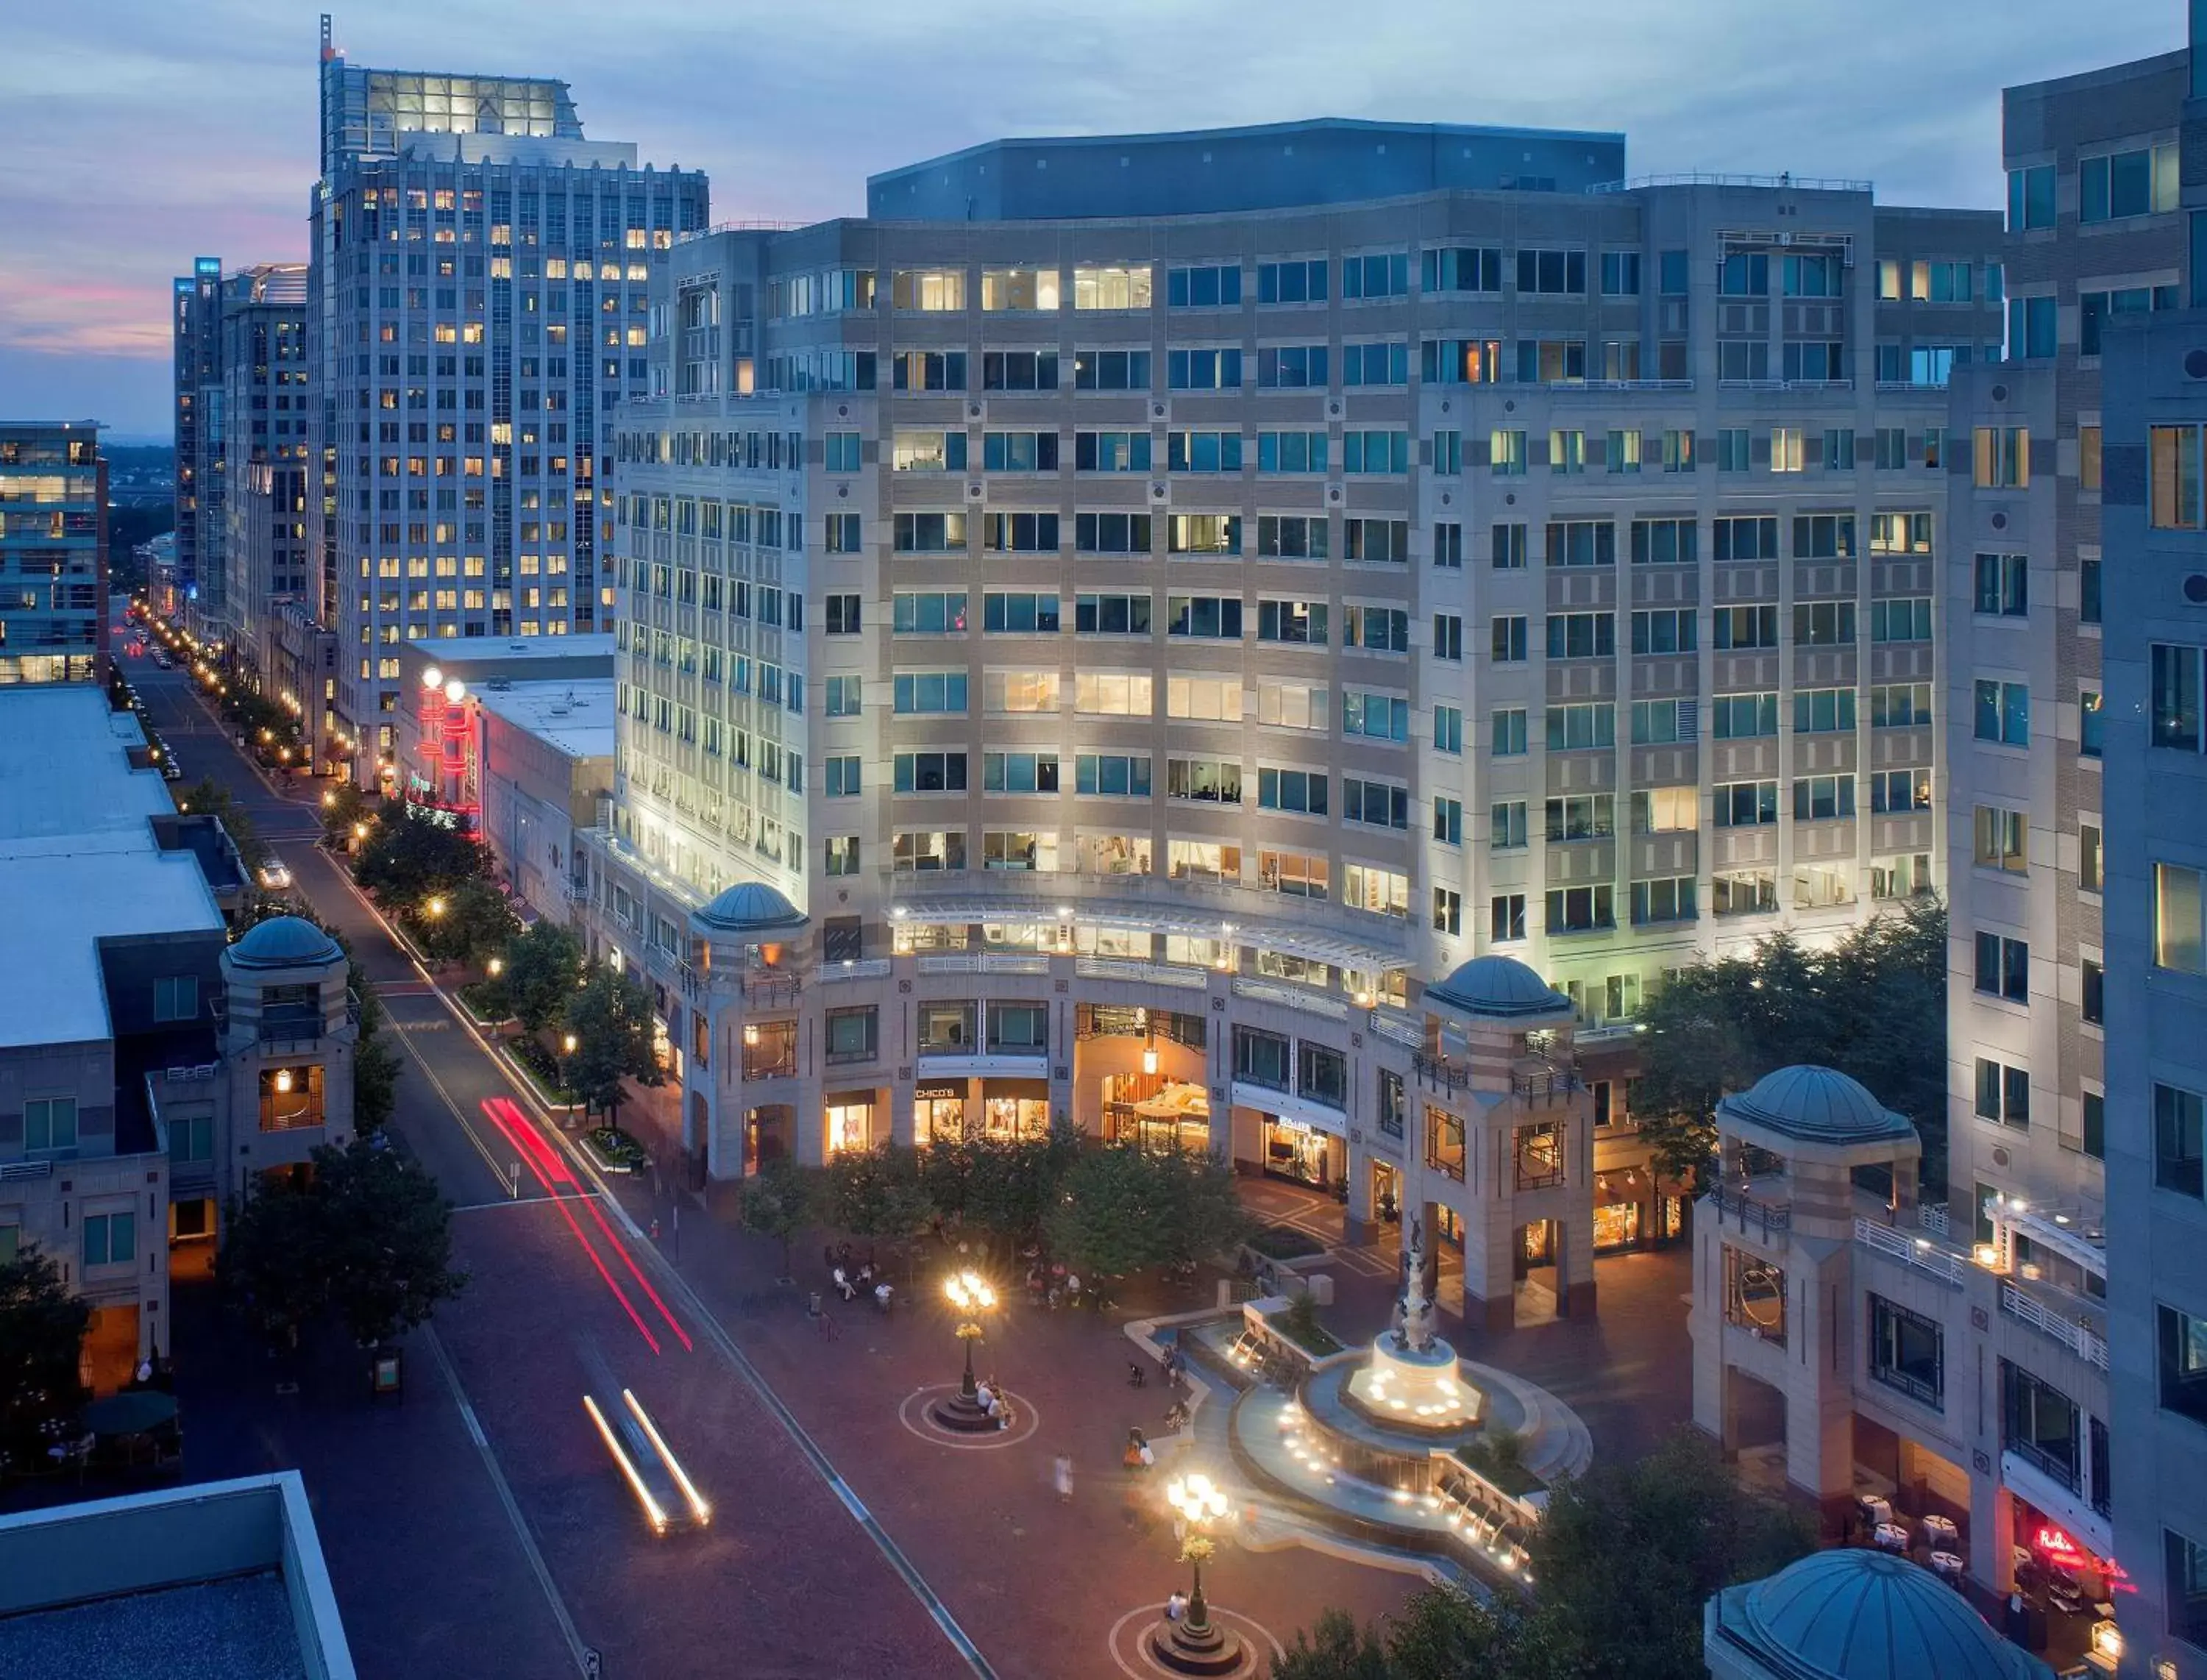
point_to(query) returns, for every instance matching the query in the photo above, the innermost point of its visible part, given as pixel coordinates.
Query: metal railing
(1545, 1085)
(1147, 973)
(2079, 1339)
(1807, 184)
(1438, 1073)
(1746, 1208)
(950, 962)
(852, 968)
(771, 990)
(1290, 997)
(1921, 1252)
(1394, 1025)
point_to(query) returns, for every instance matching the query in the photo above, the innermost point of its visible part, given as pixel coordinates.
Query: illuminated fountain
(1412, 1381)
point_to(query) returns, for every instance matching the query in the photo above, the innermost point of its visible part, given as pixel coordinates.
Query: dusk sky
(135, 134)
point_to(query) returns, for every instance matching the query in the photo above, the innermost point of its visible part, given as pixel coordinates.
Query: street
(478, 1526)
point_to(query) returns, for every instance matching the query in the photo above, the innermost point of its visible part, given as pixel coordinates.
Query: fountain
(1411, 1381)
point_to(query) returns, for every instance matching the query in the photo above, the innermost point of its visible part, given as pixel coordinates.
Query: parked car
(274, 877)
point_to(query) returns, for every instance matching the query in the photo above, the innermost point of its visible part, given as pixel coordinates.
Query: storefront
(1621, 1220)
(1015, 1109)
(1298, 1152)
(849, 1118)
(938, 1114)
(1386, 1193)
(1157, 1114)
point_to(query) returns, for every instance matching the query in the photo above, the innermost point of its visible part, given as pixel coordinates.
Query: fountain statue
(1414, 1307)
(1410, 1381)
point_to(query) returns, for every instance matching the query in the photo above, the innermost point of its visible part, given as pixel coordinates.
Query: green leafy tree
(367, 1239)
(610, 1019)
(1200, 1212)
(344, 806)
(780, 1200)
(209, 798)
(1625, 1559)
(1121, 1210)
(475, 921)
(42, 1325)
(543, 968)
(375, 1070)
(1873, 1006)
(409, 856)
(876, 1193)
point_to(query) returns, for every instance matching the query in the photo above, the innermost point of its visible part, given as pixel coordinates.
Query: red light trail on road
(560, 1185)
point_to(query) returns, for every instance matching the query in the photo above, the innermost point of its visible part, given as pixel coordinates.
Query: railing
(2079, 1339)
(1013, 962)
(1807, 184)
(852, 968)
(1921, 1252)
(1786, 384)
(771, 990)
(1932, 1217)
(305, 1119)
(17, 1169)
(2056, 1469)
(1394, 1025)
(1546, 1085)
(950, 962)
(1766, 1216)
(1290, 997)
(1438, 1073)
(1147, 973)
(1262, 1081)
(1635, 384)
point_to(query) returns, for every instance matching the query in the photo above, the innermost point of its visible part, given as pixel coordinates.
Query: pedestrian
(1061, 1472)
(1136, 1376)
(1176, 1605)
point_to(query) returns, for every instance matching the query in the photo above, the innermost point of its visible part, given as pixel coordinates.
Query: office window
(840, 774)
(2002, 839)
(1110, 370)
(1376, 804)
(1894, 792)
(1203, 451)
(1111, 533)
(1506, 453)
(2174, 475)
(1899, 705)
(1664, 541)
(1744, 805)
(2141, 182)
(1292, 536)
(929, 370)
(1292, 368)
(2180, 1141)
(2003, 1093)
(1018, 289)
(1448, 729)
(1579, 816)
(2089, 862)
(1375, 716)
(932, 290)
(1376, 542)
(931, 772)
(1823, 711)
(2003, 456)
(1380, 363)
(1123, 775)
(1213, 286)
(1211, 616)
(843, 452)
(1552, 272)
(1662, 722)
(1744, 627)
(1448, 635)
(1508, 639)
(1447, 545)
(2092, 1007)
(1509, 732)
(1582, 635)
(1665, 630)
(1743, 716)
(1824, 624)
(1506, 917)
(2003, 585)
(1820, 798)
(1581, 542)
(1620, 273)
(1743, 893)
(1508, 546)
(49, 1124)
(1461, 268)
(926, 612)
(1019, 772)
(1824, 536)
(1219, 369)
(2091, 723)
(2177, 904)
(1670, 899)
(841, 854)
(1572, 728)
(929, 533)
(2032, 324)
(2031, 198)
(1019, 452)
(1581, 909)
(1366, 451)
(1111, 287)
(1460, 361)
(920, 693)
(1382, 274)
(1292, 282)
(2088, 592)
(2003, 968)
(1291, 452)
(1744, 274)
(1746, 537)
(2003, 713)
(176, 998)
(110, 1239)
(1907, 619)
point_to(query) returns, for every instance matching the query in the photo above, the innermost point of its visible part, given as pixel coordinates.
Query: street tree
(778, 1201)
(1123, 1210)
(876, 1193)
(365, 1240)
(609, 1018)
(344, 806)
(472, 922)
(543, 968)
(209, 798)
(410, 857)
(42, 1325)
(1872, 1007)
(1625, 1558)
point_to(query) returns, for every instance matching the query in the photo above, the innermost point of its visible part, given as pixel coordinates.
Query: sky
(135, 134)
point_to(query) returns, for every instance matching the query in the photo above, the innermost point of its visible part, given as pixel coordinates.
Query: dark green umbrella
(130, 1412)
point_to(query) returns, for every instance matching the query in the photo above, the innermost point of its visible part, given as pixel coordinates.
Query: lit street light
(970, 1295)
(436, 907)
(1192, 1645)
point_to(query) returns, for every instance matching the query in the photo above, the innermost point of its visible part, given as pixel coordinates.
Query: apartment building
(149, 1068)
(53, 553)
(1145, 650)
(2154, 395)
(196, 336)
(266, 405)
(477, 298)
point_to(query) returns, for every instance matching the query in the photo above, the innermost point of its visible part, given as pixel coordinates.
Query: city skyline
(83, 329)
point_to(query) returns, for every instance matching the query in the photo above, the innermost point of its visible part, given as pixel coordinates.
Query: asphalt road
(483, 1529)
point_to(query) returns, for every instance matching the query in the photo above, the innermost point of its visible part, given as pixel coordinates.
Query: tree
(543, 966)
(1123, 1210)
(610, 1019)
(42, 1327)
(474, 921)
(375, 1071)
(876, 1193)
(778, 1201)
(367, 1239)
(344, 806)
(1625, 1558)
(410, 857)
(209, 798)
(1873, 1006)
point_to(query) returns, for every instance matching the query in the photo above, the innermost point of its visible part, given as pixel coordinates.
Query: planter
(613, 1151)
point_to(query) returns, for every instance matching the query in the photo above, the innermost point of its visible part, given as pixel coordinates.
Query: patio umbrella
(131, 1413)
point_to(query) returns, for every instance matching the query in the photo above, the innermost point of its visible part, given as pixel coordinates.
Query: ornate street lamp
(970, 1295)
(1193, 1645)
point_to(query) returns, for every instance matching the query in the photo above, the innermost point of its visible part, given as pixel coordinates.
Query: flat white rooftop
(575, 719)
(78, 861)
(460, 652)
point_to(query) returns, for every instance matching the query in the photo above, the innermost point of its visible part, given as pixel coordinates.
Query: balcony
(1539, 1079)
(1142, 973)
(765, 990)
(1746, 1209)
(2079, 1338)
(1291, 997)
(854, 968)
(1922, 1253)
(1438, 1073)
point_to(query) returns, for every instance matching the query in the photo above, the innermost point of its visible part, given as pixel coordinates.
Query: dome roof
(285, 941)
(1499, 986)
(1816, 1105)
(751, 908)
(1854, 1614)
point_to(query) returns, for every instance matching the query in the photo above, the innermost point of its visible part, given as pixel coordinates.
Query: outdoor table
(1874, 1510)
(1947, 1565)
(1941, 1533)
(1891, 1537)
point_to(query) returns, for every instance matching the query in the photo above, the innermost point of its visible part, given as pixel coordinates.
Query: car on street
(274, 877)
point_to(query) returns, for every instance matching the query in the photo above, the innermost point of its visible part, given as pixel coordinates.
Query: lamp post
(1193, 1645)
(568, 1045)
(970, 1295)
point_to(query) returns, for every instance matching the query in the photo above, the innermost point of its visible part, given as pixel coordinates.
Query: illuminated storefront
(850, 1122)
(1159, 1113)
(1297, 1151)
(938, 1114)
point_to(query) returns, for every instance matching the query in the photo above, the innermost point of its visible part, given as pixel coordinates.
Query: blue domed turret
(285, 941)
(1854, 1614)
(1498, 987)
(750, 909)
(1816, 1105)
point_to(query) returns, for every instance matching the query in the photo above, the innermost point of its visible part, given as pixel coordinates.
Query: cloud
(139, 133)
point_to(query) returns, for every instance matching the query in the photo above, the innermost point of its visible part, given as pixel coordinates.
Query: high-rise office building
(477, 304)
(1144, 638)
(196, 334)
(265, 555)
(2153, 408)
(53, 553)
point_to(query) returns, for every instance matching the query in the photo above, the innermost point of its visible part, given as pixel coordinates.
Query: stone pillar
(1490, 1277)
(1360, 1218)
(1575, 1289)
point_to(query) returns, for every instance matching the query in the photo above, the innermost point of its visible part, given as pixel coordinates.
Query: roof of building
(1855, 1614)
(575, 719)
(750, 907)
(285, 941)
(1498, 986)
(461, 652)
(1816, 1105)
(78, 862)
